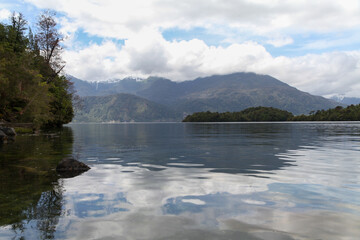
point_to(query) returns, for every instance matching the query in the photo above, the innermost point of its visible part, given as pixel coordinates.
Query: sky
(313, 45)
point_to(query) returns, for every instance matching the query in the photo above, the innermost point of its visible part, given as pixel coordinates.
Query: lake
(185, 181)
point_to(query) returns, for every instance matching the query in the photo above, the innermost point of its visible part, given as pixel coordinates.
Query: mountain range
(346, 100)
(119, 100)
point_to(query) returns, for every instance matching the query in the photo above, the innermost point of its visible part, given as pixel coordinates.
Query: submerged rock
(69, 167)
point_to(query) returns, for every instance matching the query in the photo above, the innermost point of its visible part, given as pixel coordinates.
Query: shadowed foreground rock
(69, 167)
(7, 133)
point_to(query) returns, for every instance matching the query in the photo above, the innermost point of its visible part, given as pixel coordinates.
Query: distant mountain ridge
(123, 107)
(126, 85)
(346, 100)
(218, 93)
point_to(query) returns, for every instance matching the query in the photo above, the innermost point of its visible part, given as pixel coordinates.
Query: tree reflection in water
(31, 193)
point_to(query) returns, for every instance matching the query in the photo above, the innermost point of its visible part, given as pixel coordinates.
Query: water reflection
(230, 148)
(31, 193)
(287, 186)
(209, 181)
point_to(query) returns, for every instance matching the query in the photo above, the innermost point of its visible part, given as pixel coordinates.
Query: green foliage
(31, 89)
(350, 113)
(61, 107)
(253, 114)
(23, 130)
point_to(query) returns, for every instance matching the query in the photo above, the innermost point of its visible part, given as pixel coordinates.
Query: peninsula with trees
(32, 88)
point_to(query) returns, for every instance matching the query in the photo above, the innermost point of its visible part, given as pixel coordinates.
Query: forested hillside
(31, 87)
(123, 108)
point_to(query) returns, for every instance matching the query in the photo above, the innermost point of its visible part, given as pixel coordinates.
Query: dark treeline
(253, 114)
(31, 87)
(350, 113)
(269, 114)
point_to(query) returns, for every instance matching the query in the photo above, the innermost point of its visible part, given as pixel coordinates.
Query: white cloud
(148, 53)
(322, 74)
(97, 62)
(280, 41)
(113, 18)
(4, 14)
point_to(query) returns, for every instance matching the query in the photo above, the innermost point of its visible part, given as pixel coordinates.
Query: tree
(48, 40)
(16, 33)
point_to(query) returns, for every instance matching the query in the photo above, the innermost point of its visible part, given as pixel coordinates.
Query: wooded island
(269, 114)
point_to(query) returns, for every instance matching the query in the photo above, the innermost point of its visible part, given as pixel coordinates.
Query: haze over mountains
(160, 99)
(346, 100)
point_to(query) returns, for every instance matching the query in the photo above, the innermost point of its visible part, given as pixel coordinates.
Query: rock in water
(69, 167)
(10, 132)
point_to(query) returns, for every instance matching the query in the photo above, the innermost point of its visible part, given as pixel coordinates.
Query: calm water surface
(185, 181)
